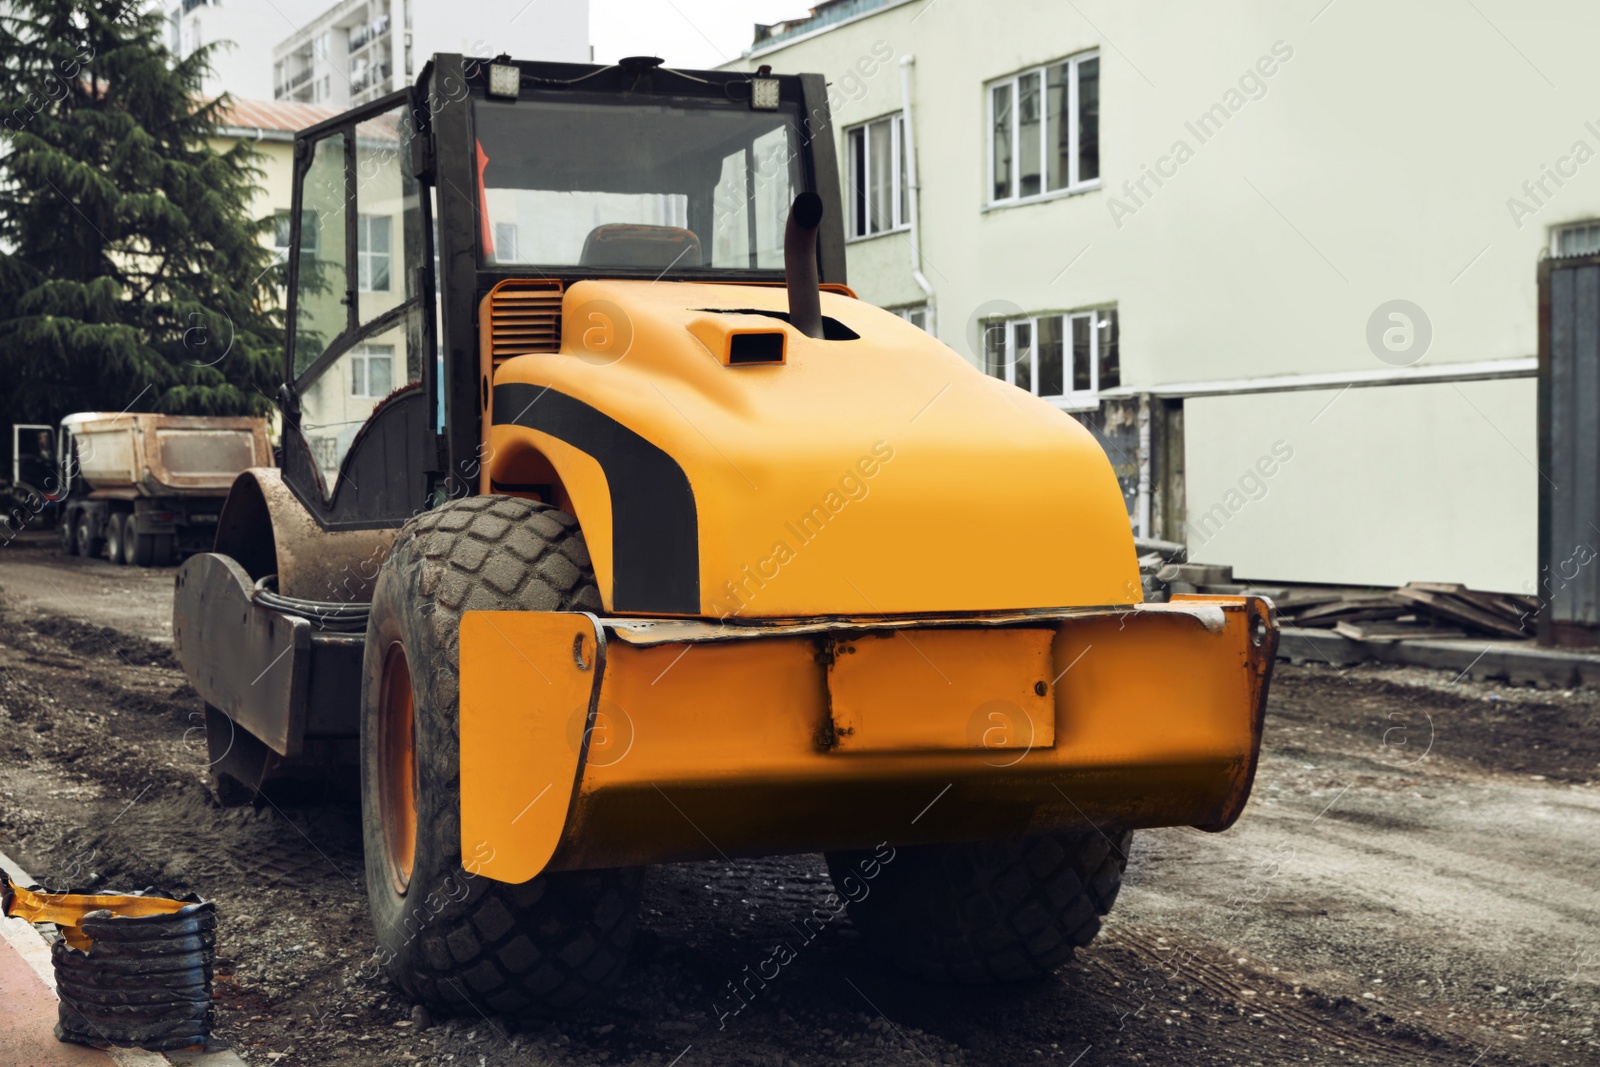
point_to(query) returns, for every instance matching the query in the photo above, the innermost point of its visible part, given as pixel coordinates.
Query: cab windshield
(639, 185)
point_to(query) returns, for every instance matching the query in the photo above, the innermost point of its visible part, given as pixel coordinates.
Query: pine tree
(131, 274)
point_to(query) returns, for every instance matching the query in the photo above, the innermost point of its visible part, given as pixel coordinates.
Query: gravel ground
(1415, 881)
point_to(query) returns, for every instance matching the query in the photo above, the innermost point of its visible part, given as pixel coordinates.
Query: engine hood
(877, 475)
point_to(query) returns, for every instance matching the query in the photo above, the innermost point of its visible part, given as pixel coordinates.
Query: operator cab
(412, 209)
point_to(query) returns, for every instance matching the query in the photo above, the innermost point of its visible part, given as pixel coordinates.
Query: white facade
(1270, 177)
(241, 28)
(359, 50)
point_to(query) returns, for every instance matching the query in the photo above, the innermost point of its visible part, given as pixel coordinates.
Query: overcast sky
(685, 33)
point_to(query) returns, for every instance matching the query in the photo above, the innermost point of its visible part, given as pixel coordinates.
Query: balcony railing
(293, 82)
(364, 34)
(373, 75)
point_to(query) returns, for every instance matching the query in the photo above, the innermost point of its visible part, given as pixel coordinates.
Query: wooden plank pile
(1418, 610)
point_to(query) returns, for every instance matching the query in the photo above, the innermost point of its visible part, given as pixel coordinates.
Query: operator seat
(633, 245)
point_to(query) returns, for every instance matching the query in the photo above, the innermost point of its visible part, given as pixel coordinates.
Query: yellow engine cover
(879, 475)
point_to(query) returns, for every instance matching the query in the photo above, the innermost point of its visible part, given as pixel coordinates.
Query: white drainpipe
(915, 189)
(1143, 506)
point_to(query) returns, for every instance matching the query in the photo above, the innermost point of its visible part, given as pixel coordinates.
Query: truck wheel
(986, 911)
(144, 548)
(69, 533)
(117, 547)
(452, 939)
(90, 543)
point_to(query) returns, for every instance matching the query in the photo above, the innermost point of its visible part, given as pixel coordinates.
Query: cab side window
(358, 322)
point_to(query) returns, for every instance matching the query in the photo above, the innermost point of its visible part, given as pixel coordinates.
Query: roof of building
(285, 118)
(824, 15)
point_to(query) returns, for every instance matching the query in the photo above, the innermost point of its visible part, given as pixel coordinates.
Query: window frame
(1559, 229)
(1013, 81)
(420, 272)
(367, 258)
(362, 356)
(507, 233)
(354, 331)
(741, 233)
(899, 192)
(310, 238)
(909, 312)
(797, 155)
(1069, 398)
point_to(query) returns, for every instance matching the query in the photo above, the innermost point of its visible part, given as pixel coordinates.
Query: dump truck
(140, 488)
(612, 529)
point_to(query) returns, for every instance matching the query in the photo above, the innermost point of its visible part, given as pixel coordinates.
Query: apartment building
(240, 29)
(358, 50)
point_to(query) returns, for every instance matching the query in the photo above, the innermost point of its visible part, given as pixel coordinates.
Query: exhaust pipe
(800, 264)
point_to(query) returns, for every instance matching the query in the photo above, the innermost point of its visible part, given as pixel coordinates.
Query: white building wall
(1326, 485)
(1377, 162)
(242, 65)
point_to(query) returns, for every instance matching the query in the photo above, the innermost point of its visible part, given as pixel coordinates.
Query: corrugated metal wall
(1569, 432)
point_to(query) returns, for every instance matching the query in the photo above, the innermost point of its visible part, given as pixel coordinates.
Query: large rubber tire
(69, 533)
(118, 549)
(983, 912)
(455, 941)
(89, 543)
(144, 547)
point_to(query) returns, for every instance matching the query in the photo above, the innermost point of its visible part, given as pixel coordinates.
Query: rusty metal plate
(899, 691)
(249, 662)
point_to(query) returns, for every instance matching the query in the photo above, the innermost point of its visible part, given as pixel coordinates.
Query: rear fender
(266, 528)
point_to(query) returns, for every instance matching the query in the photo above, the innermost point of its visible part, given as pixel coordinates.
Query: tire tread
(1006, 910)
(516, 949)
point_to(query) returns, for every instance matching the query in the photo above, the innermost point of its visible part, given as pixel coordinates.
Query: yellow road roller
(612, 529)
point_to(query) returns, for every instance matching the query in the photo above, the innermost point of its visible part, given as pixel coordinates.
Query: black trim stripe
(655, 529)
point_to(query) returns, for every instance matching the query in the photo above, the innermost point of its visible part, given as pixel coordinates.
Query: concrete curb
(32, 946)
(1518, 662)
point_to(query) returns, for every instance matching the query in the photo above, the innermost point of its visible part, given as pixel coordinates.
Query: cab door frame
(397, 448)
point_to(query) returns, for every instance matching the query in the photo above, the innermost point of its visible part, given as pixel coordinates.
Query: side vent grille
(525, 316)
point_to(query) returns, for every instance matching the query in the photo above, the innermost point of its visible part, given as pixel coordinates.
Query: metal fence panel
(1569, 416)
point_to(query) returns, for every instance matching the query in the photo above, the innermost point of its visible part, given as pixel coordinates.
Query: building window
(505, 242)
(916, 315)
(1072, 356)
(372, 253)
(308, 237)
(877, 176)
(372, 371)
(1582, 239)
(325, 450)
(1044, 130)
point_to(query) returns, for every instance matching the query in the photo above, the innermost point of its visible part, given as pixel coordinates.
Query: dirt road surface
(40, 581)
(1415, 881)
